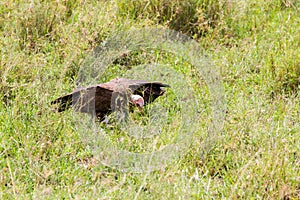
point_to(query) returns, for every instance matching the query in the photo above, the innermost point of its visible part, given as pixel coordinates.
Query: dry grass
(254, 43)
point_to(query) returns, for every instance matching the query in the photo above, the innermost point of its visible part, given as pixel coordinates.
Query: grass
(256, 46)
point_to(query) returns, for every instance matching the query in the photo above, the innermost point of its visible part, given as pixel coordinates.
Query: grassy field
(254, 43)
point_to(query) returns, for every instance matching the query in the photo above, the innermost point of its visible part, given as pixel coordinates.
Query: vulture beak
(138, 101)
(140, 108)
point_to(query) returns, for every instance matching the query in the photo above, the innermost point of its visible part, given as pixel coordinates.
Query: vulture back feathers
(100, 99)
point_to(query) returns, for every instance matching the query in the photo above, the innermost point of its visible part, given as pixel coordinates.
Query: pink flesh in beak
(140, 108)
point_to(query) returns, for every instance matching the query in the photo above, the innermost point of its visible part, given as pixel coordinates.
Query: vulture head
(138, 101)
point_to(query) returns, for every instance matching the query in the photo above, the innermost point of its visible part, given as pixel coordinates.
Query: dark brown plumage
(99, 99)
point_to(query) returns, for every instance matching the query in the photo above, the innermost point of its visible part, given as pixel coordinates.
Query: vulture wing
(95, 98)
(148, 90)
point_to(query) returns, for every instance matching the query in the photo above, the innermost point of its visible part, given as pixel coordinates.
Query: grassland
(256, 46)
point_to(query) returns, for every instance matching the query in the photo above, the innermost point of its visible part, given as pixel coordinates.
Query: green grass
(255, 44)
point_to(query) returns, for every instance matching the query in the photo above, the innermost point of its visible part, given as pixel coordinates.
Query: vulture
(101, 99)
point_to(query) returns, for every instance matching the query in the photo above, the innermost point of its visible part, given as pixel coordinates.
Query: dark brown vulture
(101, 99)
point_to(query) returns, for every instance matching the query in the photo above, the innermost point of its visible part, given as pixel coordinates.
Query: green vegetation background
(256, 45)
